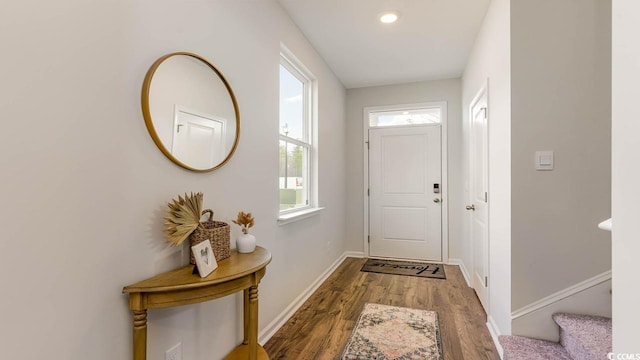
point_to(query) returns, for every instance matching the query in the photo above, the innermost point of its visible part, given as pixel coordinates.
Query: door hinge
(368, 239)
(486, 281)
(486, 197)
(484, 110)
(367, 144)
(368, 192)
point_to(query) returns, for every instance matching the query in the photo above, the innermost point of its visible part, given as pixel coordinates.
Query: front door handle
(436, 200)
(471, 207)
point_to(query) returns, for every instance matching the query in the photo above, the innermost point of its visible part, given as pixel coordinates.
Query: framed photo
(205, 259)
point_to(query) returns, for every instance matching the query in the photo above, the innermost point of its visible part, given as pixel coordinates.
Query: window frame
(290, 63)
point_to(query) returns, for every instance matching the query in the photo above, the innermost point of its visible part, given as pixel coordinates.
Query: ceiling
(431, 40)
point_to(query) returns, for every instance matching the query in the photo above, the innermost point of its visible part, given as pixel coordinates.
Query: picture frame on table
(205, 258)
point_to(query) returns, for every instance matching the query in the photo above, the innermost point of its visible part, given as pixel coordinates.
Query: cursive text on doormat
(407, 268)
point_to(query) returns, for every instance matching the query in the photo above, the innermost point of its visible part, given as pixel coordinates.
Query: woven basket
(217, 232)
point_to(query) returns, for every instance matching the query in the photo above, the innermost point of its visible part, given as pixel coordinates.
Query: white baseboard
(495, 332)
(539, 324)
(463, 269)
(562, 294)
(354, 254)
(275, 325)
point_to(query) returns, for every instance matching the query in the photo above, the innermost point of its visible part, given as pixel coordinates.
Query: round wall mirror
(190, 111)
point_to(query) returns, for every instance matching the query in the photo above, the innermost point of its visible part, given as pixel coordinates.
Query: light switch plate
(544, 160)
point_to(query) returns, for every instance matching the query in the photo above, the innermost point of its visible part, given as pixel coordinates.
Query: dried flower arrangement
(245, 220)
(183, 217)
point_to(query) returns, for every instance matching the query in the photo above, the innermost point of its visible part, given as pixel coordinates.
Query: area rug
(404, 268)
(385, 332)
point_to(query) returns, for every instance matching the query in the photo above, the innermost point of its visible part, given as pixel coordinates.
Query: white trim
(413, 106)
(562, 294)
(268, 331)
(494, 331)
(310, 127)
(444, 169)
(290, 217)
(463, 269)
(354, 254)
(293, 61)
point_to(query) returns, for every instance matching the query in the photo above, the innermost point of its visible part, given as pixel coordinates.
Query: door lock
(471, 207)
(436, 200)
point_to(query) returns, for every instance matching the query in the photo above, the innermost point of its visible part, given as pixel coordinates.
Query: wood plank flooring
(321, 327)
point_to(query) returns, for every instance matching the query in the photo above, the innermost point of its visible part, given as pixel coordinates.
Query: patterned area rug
(404, 268)
(385, 332)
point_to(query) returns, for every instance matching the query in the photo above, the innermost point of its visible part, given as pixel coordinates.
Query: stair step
(523, 348)
(585, 337)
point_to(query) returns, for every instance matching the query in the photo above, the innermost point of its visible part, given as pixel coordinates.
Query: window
(297, 170)
(405, 116)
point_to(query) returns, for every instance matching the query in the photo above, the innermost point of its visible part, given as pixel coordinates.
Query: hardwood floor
(321, 327)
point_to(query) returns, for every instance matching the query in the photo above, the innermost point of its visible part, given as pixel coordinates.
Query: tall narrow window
(296, 138)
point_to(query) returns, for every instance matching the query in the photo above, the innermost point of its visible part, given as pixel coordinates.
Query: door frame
(483, 91)
(444, 186)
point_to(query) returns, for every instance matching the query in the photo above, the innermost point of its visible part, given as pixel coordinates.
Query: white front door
(405, 211)
(198, 139)
(479, 197)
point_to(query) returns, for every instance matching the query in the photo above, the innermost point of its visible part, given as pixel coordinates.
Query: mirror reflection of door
(198, 139)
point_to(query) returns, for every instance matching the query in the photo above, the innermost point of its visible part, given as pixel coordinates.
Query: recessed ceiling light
(389, 17)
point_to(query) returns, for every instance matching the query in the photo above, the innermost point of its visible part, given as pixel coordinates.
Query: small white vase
(246, 243)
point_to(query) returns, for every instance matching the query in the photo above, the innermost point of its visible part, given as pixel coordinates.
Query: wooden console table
(181, 287)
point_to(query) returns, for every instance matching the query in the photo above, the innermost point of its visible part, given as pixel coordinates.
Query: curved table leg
(251, 331)
(249, 349)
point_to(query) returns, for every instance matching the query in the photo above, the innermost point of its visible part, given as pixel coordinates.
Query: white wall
(490, 59)
(84, 187)
(561, 85)
(625, 175)
(418, 92)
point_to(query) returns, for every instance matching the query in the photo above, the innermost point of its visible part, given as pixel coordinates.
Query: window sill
(298, 215)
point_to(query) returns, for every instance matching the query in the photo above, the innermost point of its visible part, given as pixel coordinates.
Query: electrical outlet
(175, 353)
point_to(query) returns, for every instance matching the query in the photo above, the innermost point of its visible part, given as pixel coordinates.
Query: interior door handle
(471, 207)
(436, 200)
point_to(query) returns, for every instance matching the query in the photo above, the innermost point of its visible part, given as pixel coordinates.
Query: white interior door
(479, 197)
(405, 212)
(198, 139)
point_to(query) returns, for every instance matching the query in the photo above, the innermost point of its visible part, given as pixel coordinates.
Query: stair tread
(523, 348)
(585, 336)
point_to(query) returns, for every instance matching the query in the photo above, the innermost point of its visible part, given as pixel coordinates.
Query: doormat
(390, 332)
(408, 268)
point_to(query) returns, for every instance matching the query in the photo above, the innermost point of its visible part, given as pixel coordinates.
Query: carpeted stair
(582, 337)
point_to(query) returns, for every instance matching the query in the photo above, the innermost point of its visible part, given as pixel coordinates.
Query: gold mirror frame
(146, 111)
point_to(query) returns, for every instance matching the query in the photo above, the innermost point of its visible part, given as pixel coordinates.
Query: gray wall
(426, 91)
(560, 62)
(84, 188)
